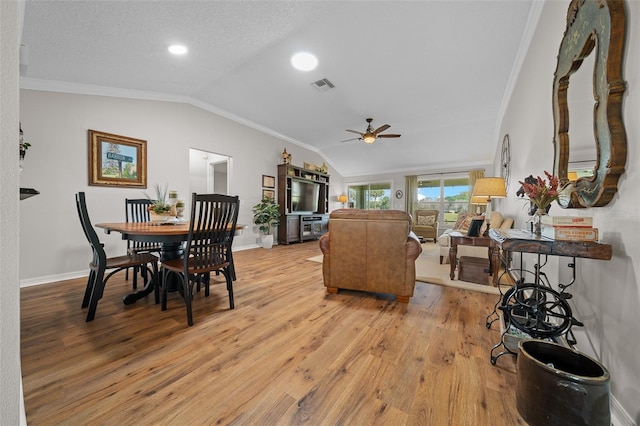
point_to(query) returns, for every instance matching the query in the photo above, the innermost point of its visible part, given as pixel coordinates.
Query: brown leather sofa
(370, 250)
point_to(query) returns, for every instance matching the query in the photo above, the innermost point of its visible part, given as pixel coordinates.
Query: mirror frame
(592, 26)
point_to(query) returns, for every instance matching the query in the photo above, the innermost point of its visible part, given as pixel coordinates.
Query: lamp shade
(491, 187)
(342, 198)
(476, 199)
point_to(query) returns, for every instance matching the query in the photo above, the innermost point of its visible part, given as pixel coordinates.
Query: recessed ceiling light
(178, 49)
(304, 61)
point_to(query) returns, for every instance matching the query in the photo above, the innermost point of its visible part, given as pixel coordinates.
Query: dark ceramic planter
(560, 386)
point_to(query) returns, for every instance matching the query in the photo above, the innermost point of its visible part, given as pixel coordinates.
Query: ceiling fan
(370, 135)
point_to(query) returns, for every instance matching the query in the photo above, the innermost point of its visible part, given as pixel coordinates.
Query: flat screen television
(304, 197)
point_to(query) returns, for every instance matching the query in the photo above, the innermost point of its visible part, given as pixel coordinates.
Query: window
(449, 196)
(372, 196)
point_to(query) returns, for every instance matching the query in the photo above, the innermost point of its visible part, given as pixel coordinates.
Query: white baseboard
(47, 279)
(619, 417)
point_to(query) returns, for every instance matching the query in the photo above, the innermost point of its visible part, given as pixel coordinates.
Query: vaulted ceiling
(438, 72)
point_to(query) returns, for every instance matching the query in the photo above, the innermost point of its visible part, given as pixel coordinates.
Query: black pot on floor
(560, 386)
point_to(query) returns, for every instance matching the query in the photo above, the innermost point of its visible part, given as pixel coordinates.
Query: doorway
(208, 172)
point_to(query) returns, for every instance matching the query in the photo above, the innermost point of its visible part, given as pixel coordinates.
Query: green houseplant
(266, 214)
(160, 206)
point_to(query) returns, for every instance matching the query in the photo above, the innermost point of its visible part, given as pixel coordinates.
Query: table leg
(453, 257)
(150, 285)
(168, 251)
(495, 263)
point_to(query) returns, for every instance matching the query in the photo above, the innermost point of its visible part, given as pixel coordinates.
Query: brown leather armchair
(425, 224)
(370, 250)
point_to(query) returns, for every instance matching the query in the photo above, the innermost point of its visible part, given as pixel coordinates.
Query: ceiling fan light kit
(369, 136)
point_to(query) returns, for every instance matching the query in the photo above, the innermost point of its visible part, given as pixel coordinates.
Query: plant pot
(559, 386)
(159, 218)
(267, 241)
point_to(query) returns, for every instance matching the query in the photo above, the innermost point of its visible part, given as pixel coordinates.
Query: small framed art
(474, 228)
(268, 181)
(269, 193)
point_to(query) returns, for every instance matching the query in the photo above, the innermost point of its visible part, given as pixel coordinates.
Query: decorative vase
(267, 241)
(537, 221)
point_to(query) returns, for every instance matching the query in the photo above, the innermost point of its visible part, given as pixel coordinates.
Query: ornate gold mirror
(594, 27)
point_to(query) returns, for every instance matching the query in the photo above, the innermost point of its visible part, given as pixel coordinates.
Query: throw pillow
(463, 222)
(426, 220)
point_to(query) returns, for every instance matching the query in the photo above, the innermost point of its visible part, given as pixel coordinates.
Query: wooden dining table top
(146, 228)
(151, 228)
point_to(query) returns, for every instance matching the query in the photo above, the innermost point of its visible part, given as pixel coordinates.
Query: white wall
(52, 243)
(10, 397)
(607, 293)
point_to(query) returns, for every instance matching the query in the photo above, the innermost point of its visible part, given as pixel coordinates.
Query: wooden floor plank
(289, 353)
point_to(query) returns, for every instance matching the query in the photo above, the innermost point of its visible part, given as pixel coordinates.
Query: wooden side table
(535, 309)
(458, 238)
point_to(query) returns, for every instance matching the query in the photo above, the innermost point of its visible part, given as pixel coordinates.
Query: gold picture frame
(117, 161)
(311, 166)
(269, 193)
(268, 181)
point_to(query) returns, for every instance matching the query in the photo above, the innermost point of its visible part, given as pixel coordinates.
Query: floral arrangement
(160, 204)
(541, 194)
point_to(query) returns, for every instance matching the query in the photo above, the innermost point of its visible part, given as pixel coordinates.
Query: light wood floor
(288, 354)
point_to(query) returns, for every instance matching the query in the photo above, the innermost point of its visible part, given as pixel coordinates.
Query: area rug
(429, 270)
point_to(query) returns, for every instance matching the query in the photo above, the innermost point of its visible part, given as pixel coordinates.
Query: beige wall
(10, 413)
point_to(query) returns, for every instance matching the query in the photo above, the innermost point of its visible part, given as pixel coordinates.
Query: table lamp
(342, 198)
(477, 200)
(489, 188)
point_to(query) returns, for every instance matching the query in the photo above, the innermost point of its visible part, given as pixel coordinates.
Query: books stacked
(569, 228)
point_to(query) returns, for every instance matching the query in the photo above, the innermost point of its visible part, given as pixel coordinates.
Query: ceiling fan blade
(381, 129)
(352, 139)
(390, 135)
(353, 131)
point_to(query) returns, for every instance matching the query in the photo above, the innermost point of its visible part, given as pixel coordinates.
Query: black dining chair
(101, 263)
(208, 248)
(137, 210)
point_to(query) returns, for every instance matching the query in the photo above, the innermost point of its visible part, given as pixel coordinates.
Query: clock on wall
(505, 161)
(399, 194)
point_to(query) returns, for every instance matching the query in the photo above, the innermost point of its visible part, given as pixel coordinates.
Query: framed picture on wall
(268, 181)
(268, 193)
(118, 161)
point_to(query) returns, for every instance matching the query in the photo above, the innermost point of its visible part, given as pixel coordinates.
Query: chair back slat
(99, 255)
(212, 227)
(137, 210)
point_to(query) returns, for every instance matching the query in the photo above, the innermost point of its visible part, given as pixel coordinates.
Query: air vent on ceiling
(323, 85)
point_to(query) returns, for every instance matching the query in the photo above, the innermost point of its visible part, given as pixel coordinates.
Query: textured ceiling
(438, 72)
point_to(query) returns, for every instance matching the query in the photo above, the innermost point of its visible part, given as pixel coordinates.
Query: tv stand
(313, 227)
(296, 226)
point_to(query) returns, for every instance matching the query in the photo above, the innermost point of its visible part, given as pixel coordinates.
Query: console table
(458, 238)
(535, 309)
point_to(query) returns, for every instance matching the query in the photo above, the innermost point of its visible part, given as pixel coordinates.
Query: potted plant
(24, 145)
(160, 210)
(266, 214)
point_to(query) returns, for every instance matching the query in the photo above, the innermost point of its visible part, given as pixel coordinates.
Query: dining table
(170, 236)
